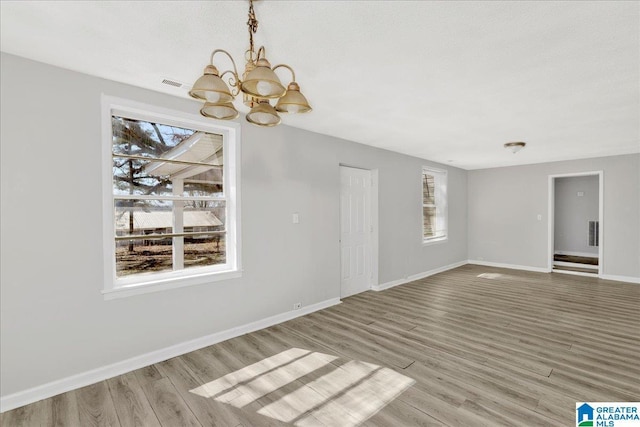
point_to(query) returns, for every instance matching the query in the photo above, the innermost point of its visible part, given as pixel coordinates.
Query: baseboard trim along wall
(418, 276)
(628, 279)
(63, 385)
(511, 266)
(576, 273)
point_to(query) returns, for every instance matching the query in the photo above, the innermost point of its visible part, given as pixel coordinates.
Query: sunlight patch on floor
(264, 384)
(314, 393)
(490, 275)
(247, 373)
(346, 396)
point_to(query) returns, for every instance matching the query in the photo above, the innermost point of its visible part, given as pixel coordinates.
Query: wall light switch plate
(296, 218)
(580, 193)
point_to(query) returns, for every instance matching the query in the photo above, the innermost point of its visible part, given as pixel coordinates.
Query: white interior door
(356, 230)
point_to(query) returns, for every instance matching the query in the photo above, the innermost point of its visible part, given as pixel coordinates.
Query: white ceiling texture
(449, 81)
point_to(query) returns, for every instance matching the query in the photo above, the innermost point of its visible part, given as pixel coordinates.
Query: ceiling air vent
(172, 82)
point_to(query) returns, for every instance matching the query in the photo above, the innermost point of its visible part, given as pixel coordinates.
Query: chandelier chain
(252, 24)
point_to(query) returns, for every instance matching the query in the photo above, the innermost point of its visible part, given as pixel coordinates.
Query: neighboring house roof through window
(151, 220)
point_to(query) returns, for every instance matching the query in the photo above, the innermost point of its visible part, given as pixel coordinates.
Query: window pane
(141, 138)
(200, 251)
(133, 176)
(136, 217)
(205, 184)
(203, 215)
(176, 157)
(429, 216)
(143, 256)
(428, 189)
(156, 254)
(129, 178)
(152, 217)
(155, 218)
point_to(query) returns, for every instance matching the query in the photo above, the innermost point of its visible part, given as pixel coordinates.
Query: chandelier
(259, 86)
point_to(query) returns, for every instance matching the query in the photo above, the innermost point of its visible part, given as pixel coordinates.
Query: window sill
(434, 241)
(167, 284)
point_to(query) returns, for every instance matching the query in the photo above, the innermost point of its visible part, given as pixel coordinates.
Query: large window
(434, 205)
(171, 211)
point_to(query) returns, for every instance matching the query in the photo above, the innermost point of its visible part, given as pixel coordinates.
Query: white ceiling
(445, 81)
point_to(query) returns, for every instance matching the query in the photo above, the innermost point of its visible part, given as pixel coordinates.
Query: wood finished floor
(485, 346)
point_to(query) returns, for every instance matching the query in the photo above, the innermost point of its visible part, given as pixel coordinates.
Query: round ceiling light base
(515, 146)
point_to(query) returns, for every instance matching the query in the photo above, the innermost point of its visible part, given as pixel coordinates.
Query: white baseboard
(73, 382)
(627, 279)
(584, 254)
(512, 266)
(575, 273)
(576, 264)
(391, 284)
(418, 276)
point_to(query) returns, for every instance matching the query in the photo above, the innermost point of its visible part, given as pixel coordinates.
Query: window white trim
(441, 204)
(427, 241)
(230, 131)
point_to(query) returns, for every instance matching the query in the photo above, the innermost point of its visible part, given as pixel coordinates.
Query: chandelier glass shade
(293, 101)
(210, 87)
(263, 114)
(259, 86)
(219, 110)
(262, 82)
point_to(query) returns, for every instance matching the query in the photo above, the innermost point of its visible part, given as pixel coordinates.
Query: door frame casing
(373, 209)
(552, 219)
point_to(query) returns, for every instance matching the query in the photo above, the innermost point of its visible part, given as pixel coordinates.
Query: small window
(434, 205)
(171, 210)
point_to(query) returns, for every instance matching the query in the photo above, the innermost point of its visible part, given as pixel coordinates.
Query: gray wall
(54, 321)
(573, 213)
(504, 204)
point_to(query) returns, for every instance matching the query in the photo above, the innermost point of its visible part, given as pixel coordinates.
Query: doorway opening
(576, 223)
(358, 230)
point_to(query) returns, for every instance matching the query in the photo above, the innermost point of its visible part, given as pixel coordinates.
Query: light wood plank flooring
(480, 346)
